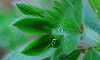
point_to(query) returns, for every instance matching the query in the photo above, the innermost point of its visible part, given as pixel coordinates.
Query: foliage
(91, 55)
(38, 46)
(67, 22)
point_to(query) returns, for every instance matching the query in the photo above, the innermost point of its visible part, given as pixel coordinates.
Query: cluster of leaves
(61, 26)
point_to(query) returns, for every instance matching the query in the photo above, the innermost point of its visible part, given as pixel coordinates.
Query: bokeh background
(9, 38)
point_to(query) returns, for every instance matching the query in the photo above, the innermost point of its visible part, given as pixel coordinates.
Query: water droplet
(54, 39)
(53, 42)
(60, 29)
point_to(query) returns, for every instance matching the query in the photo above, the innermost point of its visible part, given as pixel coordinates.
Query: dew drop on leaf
(60, 29)
(53, 42)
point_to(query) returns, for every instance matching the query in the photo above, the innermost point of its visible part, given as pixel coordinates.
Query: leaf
(90, 18)
(70, 43)
(38, 46)
(33, 25)
(92, 36)
(58, 4)
(91, 55)
(53, 14)
(95, 4)
(74, 55)
(15, 55)
(97, 38)
(71, 19)
(52, 21)
(78, 6)
(97, 48)
(59, 55)
(57, 9)
(29, 10)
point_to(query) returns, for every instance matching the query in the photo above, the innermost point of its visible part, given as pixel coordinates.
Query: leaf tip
(22, 52)
(14, 24)
(17, 4)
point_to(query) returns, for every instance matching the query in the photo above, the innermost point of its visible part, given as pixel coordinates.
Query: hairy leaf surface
(33, 25)
(38, 46)
(89, 17)
(72, 16)
(69, 44)
(29, 10)
(53, 14)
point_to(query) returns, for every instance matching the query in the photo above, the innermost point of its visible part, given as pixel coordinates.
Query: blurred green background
(10, 38)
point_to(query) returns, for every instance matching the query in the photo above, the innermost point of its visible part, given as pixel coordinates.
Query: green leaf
(33, 25)
(97, 48)
(90, 18)
(57, 9)
(29, 10)
(69, 43)
(91, 55)
(95, 4)
(58, 4)
(74, 55)
(53, 14)
(38, 46)
(92, 36)
(97, 38)
(78, 7)
(60, 55)
(71, 18)
(57, 53)
(52, 21)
